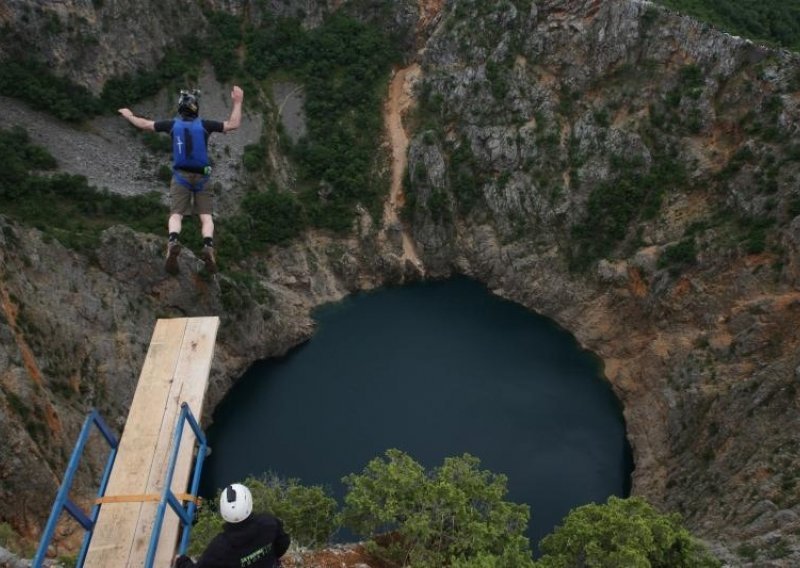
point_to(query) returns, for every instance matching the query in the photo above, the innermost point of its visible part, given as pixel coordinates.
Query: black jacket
(256, 542)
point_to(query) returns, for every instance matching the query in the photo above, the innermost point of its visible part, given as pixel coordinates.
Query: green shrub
(794, 207)
(747, 551)
(164, 173)
(622, 532)
(10, 540)
(438, 206)
(172, 71)
(309, 513)
(754, 232)
(209, 524)
(25, 77)
(157, 143)
(601, 118)
(67, 561)
(679, 255)
(465, 177)
(221, 46)
(28, 79)
(496, 75)
(454, 515)
(272, 217)
(254, 157)
(277, 43)
(7, 535)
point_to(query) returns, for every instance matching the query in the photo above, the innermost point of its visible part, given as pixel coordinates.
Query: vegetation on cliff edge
(457, 515)
(772, 21)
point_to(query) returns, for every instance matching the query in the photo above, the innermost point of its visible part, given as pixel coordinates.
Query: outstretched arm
(137, 121)
(237, 95)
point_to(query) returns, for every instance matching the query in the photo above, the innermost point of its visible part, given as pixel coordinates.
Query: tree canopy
(622, 532)
(457, 515)
(453, 515)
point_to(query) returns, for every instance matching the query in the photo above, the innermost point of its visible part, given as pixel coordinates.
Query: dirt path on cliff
(399, 101)
(428, 11)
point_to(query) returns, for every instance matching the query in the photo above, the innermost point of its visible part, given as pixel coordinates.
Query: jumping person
(190, 168)
(255, 541)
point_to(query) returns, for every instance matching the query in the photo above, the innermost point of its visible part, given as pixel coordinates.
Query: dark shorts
(184, 201)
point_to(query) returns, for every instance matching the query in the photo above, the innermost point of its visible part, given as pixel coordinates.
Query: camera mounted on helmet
(189, 103)
(235, 503)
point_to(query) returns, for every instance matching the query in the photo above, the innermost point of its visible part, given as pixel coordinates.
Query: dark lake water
(436, 370)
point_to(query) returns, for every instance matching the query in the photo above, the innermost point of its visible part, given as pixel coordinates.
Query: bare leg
(173, 246)
(207, 225)
(174, 223)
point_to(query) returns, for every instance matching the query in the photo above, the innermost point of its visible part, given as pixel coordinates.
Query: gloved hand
(183, 561)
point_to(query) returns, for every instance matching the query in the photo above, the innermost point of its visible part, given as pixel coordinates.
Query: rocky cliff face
(547, 99)
(75, 332)
(624, 170)
(92, 41)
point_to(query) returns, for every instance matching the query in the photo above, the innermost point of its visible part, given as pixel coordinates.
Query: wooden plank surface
(194, 364)
(175, 370)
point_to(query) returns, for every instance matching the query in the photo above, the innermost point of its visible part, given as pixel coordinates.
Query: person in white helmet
(255, 541)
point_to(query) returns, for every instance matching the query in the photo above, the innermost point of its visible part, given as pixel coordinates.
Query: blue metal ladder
(63, 502)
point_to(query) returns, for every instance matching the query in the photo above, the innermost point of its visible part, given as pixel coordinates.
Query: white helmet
(235, 503)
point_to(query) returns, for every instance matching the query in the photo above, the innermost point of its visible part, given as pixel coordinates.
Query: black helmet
(188, 104)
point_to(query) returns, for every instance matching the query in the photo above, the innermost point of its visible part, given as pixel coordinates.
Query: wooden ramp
(175, 370)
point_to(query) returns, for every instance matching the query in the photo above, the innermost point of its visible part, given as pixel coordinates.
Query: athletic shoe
(173, 250)
(210, 258)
